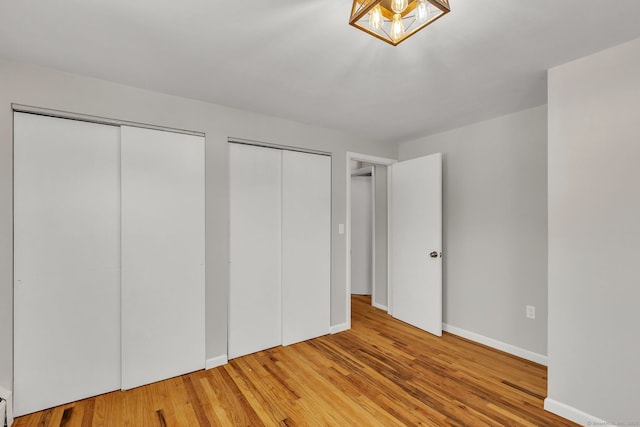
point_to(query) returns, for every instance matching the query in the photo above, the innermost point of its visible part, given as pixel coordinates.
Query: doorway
(413, 285)
(363, 229)
(361, 164)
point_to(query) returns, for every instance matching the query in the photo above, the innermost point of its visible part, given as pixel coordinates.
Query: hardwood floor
(382, 372)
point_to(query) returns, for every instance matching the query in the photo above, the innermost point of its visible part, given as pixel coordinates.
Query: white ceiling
(299, 59)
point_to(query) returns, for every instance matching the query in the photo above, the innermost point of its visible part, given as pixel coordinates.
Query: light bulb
(397, 28)
(422, 11)
(375, 17)
(398, 6)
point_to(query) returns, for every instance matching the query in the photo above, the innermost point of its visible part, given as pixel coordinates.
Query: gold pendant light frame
(361, 9)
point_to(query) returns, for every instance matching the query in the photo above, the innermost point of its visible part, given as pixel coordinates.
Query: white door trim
(378, 161)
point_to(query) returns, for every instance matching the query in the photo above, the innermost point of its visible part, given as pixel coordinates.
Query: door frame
(382, 161)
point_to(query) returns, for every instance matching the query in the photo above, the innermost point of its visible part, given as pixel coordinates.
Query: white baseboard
(380, 306)
(216, 361)
(573, 414)
(340, 328)
(499, 345)
(6, 395)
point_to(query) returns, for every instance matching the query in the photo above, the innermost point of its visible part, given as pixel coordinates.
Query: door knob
(433, 254)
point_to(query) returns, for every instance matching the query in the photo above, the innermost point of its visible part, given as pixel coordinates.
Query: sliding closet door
(306, 246)
(162, 255)
(66, 266)
(255, 317)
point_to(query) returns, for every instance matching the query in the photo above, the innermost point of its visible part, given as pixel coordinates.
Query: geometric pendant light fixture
(395, 20)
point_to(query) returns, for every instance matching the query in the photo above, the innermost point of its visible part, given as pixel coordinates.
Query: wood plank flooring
(382, 372)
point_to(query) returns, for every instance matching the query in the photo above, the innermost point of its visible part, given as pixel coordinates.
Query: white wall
(594, 236)
(30, 85)
(361, 235)
(494, 229)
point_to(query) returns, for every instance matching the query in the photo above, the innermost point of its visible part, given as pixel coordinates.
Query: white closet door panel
(255, 317)
(163, 313)
(306, 246)
(66, 265)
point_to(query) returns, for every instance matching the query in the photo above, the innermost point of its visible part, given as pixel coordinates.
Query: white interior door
(255, 306)
(163, 312)
(416, 262)
(361, 235)
(306, 246)
(66, 265)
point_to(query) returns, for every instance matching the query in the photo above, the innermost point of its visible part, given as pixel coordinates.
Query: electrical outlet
(531, 312)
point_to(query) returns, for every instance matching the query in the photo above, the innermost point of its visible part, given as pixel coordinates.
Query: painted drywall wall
(494, 226)
(380, 268)
(594, 236)
(361, 235)
(47, 88)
